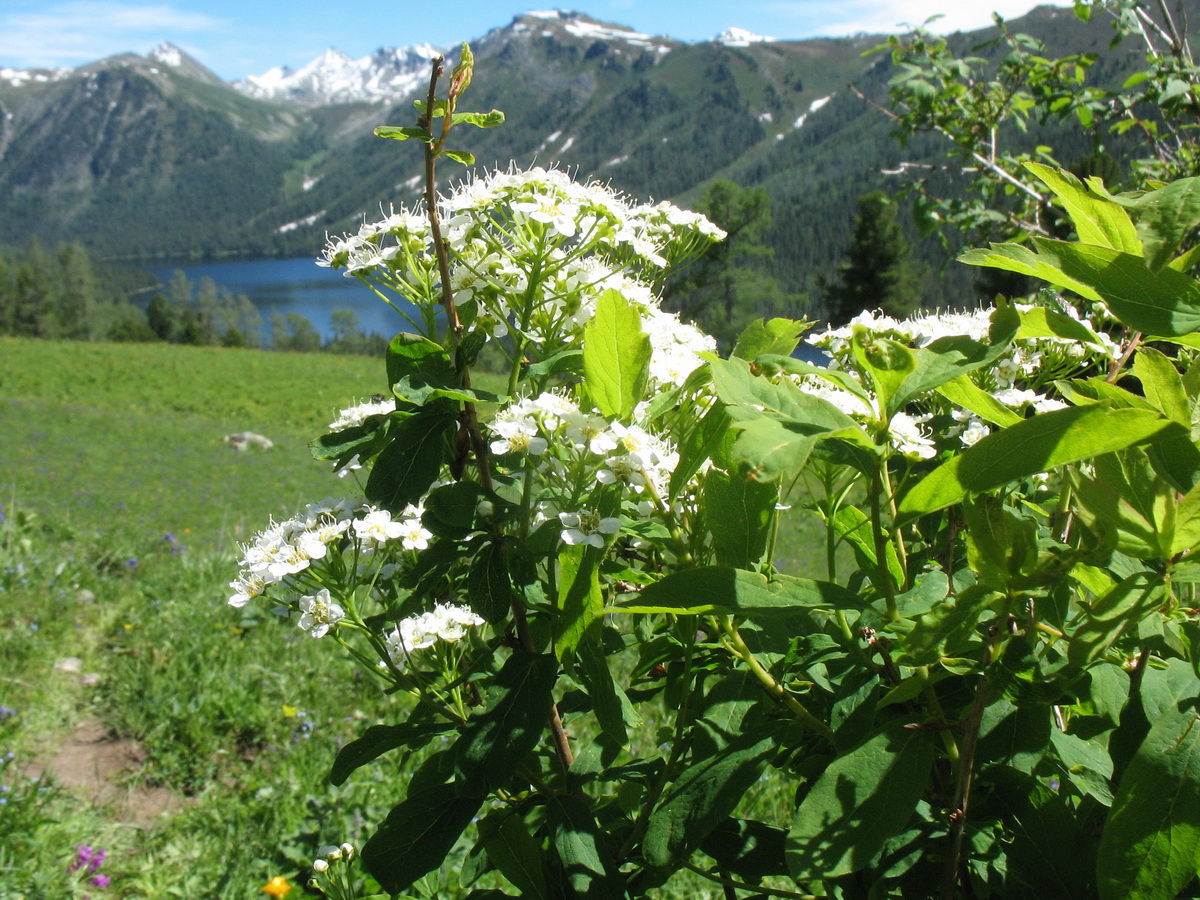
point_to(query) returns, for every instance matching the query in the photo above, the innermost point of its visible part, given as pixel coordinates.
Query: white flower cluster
(1016, 381)
(533, 250)
(357, 414)
(298, 559)
(575, 451)
(445, 622)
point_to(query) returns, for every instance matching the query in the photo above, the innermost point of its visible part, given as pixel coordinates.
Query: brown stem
(1117, 367)
(966, 772)
(469, 418)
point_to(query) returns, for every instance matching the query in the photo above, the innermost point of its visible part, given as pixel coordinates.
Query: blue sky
(236, 38)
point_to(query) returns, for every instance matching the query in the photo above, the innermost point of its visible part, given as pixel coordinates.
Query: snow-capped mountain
(740, 37)
(565, 22)
(335, 77)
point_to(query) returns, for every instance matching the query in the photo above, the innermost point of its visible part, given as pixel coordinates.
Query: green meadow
(139, 713)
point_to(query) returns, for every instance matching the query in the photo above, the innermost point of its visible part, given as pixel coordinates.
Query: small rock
(69, 664)
(90, 679)
(241, 440)
(85, 596)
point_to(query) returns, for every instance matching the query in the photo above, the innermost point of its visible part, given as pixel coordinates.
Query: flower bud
(460, 78)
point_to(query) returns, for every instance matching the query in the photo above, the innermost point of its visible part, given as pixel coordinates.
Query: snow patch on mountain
(18, 77)
(740, 37)
(300, 223)
(387, 74)
(578, 25)
(168, 55)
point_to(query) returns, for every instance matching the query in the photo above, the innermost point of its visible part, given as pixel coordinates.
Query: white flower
(414, 536)
(445, 622)
(357, 414)
(376, 528)
(246, 588)
(973, 433)
(586, 527)
(320, 866)
(319, 613)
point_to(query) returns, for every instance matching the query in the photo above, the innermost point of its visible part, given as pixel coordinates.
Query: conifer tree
(878, 271)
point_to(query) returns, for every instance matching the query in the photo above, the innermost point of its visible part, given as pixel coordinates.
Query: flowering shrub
(578, 592)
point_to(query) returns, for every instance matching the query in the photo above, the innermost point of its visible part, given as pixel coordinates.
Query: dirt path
(92, 764)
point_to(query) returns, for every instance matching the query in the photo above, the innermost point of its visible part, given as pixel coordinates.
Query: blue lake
(301, 286)
(295, 285)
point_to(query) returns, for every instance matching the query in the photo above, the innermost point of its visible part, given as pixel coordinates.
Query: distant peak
(167, 54)
(569, 22)
(740, 37)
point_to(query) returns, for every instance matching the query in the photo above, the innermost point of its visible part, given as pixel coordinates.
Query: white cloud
(879, 16)
(82, 30)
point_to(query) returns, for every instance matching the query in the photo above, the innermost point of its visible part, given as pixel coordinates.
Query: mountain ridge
(152, 156)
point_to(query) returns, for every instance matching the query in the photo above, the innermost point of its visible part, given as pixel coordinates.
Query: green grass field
(139, 713)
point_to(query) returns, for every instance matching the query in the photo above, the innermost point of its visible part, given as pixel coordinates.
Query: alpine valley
(142, 157)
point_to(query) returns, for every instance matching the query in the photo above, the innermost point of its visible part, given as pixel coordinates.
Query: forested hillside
(141, 157)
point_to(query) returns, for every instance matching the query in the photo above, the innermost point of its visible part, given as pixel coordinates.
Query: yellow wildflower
(277, 887)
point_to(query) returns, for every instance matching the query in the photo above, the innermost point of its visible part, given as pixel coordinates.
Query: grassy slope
(120, 437)
(121, 444)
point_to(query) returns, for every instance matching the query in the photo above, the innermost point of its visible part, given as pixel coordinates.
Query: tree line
(64, 294)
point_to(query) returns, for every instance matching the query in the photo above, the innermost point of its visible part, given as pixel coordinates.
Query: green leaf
(403, 133)
(452, 508)
(580, 602)
(1040, 322)
(378, 740)
(412, 355)
(780, 399)
(583, 847)
(698, 444)
(460, 156)
(948, 358)
(494, 743)
(616, 356)
(609, 703)
(704, 796)
(1162, 385)
(1127, 502)
(1164, 302)
(1166, 217)
(859, 801)
(739, 511)
(1097, 220)
(747, 848)
(1187, 522)
(1112, 615)
(771, 450)
(514, 851)
(1087, 763)
(1028, 448)
(489, 589)
(1020, 258)
(563, 361)
(412, 459)
(364, 440)
(479, 120)
(417, 835)
(1150, 849)
(950, 622)
(962, 391)
(888, 363)
(709, 590)
(774, 336)
(420, 389)
(853, 526)
(1001, 545)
